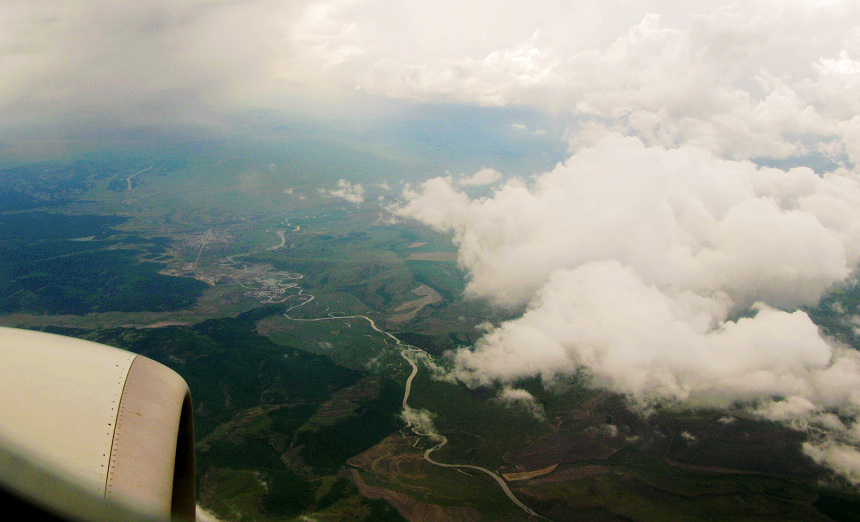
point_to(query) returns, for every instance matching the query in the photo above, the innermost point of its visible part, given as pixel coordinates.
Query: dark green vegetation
(58, 182)
(77, 264)
(442, 274)
(611, 464)
(838, 507)
(269, 414)
(43, 229)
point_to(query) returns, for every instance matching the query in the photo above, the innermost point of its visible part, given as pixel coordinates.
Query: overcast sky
(628, 259)
(746, 79)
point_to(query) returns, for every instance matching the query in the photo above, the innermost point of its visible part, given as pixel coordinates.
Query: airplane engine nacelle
(84, 425)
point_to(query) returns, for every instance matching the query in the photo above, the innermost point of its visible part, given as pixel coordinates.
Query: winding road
(202, 246)
(129, 178)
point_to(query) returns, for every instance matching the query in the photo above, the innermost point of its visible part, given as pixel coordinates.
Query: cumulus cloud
(677, 218)
(520, 399)
(629, 263)
(420, 421)
(843, 458)
(481, 178)
(354, 193)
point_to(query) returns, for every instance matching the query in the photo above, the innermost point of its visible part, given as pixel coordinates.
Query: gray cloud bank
(152, 62)
(629, 260)
(749, 79)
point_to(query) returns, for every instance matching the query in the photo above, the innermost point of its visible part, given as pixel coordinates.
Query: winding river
(407, 351)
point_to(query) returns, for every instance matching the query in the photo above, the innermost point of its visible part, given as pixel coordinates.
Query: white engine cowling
(114, 426)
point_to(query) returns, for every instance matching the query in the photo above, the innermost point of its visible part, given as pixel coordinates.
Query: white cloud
(520, 399)
(678, 217)
(480, 178)
(205, 516)
(628, 261)
(843, 458)
(421, 421)
(354, 193)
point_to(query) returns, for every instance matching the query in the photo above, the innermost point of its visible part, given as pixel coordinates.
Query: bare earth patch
(410, 308)
(433, 256)
(396, 460)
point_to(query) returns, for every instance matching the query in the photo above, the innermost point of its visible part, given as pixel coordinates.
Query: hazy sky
(628, 258)
(758, 78)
